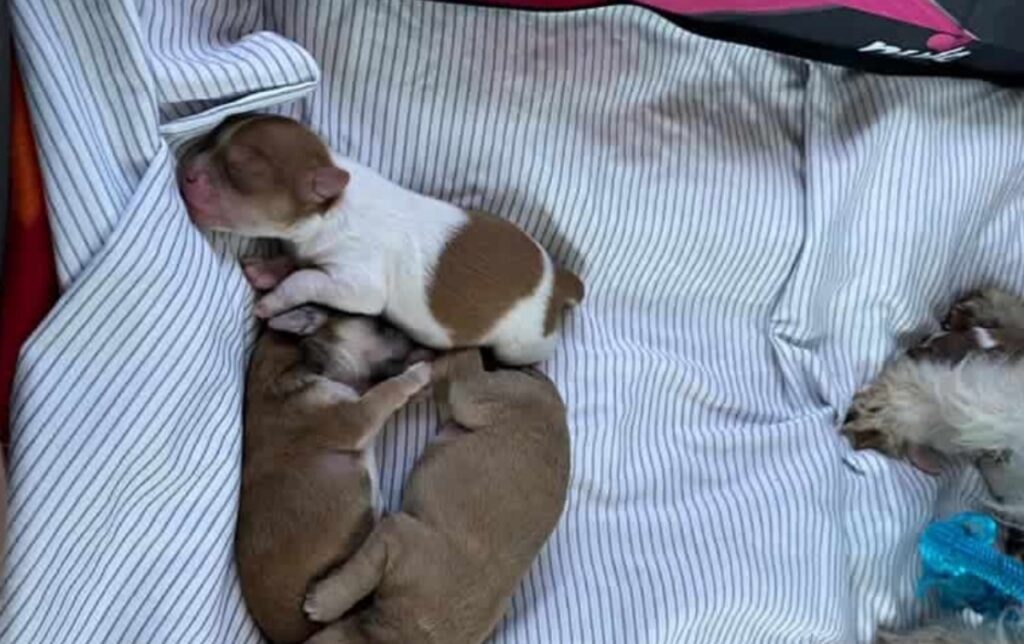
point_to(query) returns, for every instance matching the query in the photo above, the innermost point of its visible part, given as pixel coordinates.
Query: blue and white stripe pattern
(756, 234)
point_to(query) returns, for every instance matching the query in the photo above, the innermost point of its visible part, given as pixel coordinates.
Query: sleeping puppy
(446, 276)
(957, 394)
(477, 509)
(307, 489)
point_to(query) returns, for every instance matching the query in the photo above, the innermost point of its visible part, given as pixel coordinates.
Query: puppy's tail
(567, 292)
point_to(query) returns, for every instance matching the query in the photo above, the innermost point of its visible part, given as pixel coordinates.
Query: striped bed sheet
(758, 233)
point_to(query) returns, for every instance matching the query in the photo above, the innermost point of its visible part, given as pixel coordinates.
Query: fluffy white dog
(960, 393)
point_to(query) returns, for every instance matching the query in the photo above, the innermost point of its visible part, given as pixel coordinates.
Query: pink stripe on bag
(926, 14)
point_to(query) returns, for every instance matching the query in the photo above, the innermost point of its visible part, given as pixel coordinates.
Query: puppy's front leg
(351, 425)
(384, 399)
(264, 274)
(354, 291)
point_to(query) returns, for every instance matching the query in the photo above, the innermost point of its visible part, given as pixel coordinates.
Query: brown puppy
(306, 500)
(478, 507)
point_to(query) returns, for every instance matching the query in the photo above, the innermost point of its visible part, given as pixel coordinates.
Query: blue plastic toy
(964, 566)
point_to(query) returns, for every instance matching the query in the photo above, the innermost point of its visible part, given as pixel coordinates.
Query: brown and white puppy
(307, 488)
(447, 277)
(478, 507)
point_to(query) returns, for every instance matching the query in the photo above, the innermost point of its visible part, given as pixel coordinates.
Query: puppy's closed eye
(247, 169)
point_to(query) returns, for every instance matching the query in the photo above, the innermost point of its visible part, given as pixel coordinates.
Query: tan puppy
(478, 507)
(306, 499)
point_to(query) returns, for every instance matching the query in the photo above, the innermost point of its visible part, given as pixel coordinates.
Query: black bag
(973, 38)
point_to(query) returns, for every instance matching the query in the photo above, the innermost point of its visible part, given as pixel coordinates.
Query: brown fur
(568, 291)
(306, 498)
(478, 507)
(496, 262)
(259, 167)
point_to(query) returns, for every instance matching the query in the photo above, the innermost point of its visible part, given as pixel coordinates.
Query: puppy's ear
(304, 320)
(322, 184)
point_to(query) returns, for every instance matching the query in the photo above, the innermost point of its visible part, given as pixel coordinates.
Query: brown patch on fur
(486, 268)
(272, 165)
(567, 292)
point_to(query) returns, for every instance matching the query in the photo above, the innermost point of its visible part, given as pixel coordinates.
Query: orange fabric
(29, 286)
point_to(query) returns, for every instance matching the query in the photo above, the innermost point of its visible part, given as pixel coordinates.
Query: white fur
(971, 408)
(377, 250)
(983, 337)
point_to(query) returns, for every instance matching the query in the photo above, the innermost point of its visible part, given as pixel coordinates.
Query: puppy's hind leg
(343, 587)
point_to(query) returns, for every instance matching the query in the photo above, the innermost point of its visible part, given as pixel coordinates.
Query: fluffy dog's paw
(953, 346)
(864, 426)
(987, 308)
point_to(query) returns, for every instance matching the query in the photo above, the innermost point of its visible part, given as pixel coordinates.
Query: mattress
(757, 233)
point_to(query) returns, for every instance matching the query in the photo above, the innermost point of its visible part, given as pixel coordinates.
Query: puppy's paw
(867, 427)
(864, 426)
(313, 609)
(989, 308)
(266, 307)
(264, 274)
(257, 278)
(419, 375)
